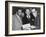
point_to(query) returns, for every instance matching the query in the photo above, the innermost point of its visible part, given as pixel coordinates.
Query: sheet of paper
(26, 25)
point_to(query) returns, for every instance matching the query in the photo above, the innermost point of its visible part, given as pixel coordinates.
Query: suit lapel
(19, 19)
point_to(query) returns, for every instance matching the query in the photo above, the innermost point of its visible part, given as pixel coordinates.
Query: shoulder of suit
(14, 15)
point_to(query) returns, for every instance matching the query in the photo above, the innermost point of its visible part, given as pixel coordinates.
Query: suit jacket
(25, 20)
(17, 22)
(32, 19)
(35, 21)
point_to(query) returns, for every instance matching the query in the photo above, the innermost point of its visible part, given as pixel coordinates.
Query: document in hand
(26, 26)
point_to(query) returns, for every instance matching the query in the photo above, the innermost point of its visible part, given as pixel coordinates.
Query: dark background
(15, 9)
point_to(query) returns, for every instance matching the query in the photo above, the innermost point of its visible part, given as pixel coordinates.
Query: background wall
(2, 19)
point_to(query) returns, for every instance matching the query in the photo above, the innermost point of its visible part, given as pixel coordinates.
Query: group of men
(20, 19)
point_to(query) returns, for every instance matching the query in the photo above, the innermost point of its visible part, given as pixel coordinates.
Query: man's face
(20, 13)
(27, 11)
(34, 11)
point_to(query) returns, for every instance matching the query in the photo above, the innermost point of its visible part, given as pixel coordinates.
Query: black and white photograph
(24, 18)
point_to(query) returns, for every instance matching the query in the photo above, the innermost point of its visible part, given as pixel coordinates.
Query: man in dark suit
(27, 17)
(26, 20)
(35, 18)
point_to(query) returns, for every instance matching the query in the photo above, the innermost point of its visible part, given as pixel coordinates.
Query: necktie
(28, 16)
